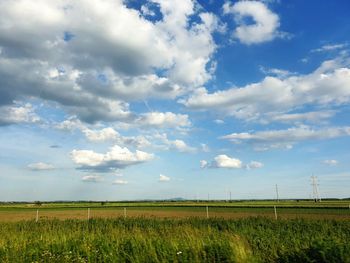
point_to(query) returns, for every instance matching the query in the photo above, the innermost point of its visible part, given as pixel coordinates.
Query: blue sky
(126, 100)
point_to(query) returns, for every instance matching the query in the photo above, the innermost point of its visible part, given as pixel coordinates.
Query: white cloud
(312, 117)
(330, 47)
(116, 158)
(40, 166)
(327, 86)
(224, 161)
(153, 140)
(254, 165)
(280, 73)
(54, 50)
(265, 140)
(92, 178)
(163, 120)
(181, 146)
(70, 124)
(265, 25)
(163, 178)
(218, 121)
(147, 10)
(203, 163)
(331, 162)
(105, 134)
(176, 144)
(18, 114)
(205, 148)
(120, 182)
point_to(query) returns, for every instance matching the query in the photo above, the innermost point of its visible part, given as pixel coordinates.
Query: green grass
(166, 240)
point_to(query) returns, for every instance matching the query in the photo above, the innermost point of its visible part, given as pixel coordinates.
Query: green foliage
(166, 240)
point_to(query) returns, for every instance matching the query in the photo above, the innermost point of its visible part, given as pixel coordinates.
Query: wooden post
(207, 212)
(275, 212)
(124, 212)
(88, 214)
(37, 215)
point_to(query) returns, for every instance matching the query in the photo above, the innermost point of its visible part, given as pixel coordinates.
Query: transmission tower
(315, 191)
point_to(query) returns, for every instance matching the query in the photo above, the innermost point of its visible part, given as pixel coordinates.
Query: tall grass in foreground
(166, 240)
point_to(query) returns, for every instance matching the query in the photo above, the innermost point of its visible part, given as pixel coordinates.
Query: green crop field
(168, 240)
(245, 231)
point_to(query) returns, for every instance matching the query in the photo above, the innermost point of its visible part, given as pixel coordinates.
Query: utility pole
(315, 192)
(277, 197)
(230, 196)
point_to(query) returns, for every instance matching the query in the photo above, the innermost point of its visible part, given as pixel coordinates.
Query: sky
(160, 99)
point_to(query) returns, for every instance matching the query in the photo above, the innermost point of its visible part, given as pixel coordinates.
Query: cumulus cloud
(163, 120)
(163, 178)
(331, 162)
(203, 163)
(162, 142)
(102, 135)
(116, 158)
(120, 182)
(105, 134)
(40, 166)
(70, 124)
(265, 140)
(264, 28)
(327, 86)
(225, 161)
(155, 140)
(92, 178)
(52, 47)
(18, 114)
(254, 165)
(151, 120)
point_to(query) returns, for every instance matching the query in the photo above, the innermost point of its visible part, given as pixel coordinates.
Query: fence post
(124, 212)
(275, 212)
(88, 214)
(37, 215)
(207, 212)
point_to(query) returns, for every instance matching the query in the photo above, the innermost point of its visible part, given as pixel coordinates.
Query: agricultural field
(338, 210)
(176, 232)
(254, 239)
